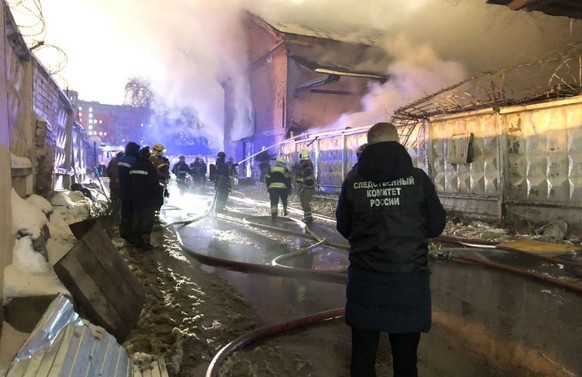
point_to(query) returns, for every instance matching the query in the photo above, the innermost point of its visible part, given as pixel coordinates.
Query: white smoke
(187, 47)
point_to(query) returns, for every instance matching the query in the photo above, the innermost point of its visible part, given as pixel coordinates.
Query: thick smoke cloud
(187, 47)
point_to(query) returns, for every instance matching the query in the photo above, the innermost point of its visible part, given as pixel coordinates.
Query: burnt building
(301, 79)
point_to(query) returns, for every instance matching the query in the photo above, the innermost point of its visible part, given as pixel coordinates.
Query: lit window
(90, 109)
(90, 127)
(100, 133)
(100, 121)
(80, 108)
(104, 133)
(90, 115)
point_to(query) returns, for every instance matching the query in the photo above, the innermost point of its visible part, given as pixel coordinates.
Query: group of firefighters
(139, 179)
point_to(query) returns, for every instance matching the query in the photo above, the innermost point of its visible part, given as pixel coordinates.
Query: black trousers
(126, 220)
(274, 195)
(365, 347)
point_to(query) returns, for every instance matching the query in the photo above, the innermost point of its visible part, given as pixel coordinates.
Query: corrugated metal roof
(370, 37)
(62, 344)
(566, 8)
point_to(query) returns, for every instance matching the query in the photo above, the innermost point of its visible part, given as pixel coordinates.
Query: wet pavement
(486, 322)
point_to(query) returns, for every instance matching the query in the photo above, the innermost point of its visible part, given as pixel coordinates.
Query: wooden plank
(109, 256)
(102, 283)
(93, 304)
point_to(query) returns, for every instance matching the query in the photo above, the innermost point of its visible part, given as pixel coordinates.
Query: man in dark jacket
(146, 190)
(388, 211)
(114, 187)
(123, 168)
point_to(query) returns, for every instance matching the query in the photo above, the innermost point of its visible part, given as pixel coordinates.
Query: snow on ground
(189, 314)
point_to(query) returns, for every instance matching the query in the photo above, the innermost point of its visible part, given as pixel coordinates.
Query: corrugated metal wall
(473, 188)
(544, 160)
(55, 111)
(526, 160)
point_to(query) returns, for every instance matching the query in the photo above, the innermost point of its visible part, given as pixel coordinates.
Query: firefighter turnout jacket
(305, 175)
(278, 177)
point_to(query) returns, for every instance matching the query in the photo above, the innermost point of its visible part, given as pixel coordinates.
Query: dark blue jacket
(388, 210)
(123, 167)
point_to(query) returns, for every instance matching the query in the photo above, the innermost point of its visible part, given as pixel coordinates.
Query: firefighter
(305, 180)
(263, 159)
(162, 165)
(198, 168)
(123, 167)
(145, 189)
(221, 182)
(182, 172)
(278, 182)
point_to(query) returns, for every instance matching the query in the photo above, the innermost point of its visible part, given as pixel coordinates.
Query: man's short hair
(382, 131)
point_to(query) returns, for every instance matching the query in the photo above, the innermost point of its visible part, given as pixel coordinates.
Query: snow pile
(72, 206)
(26, 217)
(41, 242)
(40, 203)
(27, 259)
(17, 162)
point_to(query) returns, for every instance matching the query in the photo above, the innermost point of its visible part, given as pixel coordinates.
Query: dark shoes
(285, 212)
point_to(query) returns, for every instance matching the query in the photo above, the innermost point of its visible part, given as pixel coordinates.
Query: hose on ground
(267, 331)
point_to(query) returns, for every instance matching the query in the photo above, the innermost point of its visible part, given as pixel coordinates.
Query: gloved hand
(166, 193)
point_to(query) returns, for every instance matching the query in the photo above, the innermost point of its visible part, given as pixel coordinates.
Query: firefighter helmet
(281, 160)
(304, 154)
(221, 155)
(158, 150)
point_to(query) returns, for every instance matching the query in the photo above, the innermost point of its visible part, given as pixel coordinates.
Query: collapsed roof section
(337, 53)
(553, 77)
(566, 8)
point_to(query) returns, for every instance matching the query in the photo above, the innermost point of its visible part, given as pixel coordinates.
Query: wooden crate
(103, 287)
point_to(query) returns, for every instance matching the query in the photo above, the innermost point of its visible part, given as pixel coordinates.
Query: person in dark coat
(182, 172)
(123, 167)
(222, 182)
(388, 211)
(146, 190)
(198, 168)
(114, 187)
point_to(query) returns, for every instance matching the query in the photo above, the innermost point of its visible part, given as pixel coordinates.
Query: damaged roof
(342, 53)
(565, 8)
(556, 76)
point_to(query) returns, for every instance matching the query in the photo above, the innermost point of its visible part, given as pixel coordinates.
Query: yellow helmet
(304, 154)
(157, 150)
(281, 160)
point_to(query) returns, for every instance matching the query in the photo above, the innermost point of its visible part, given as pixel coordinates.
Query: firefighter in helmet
(221, 182)
(278, 182)
(305, 180)
(162, 165)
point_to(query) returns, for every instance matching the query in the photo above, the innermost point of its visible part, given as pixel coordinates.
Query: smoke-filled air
(186, 48)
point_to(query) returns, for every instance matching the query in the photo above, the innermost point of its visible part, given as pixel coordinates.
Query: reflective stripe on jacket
(278, 178)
